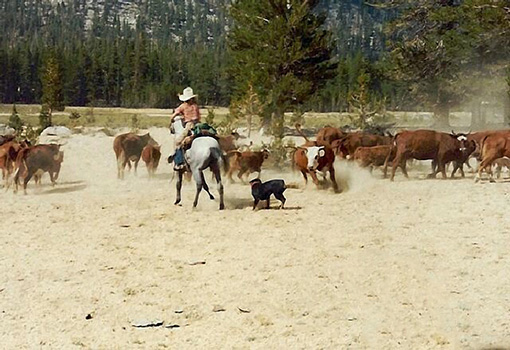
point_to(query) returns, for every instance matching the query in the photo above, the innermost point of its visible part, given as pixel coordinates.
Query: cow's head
(59, 157)
(235, 134)
(314, 154)
(266, 153)
(463, 141)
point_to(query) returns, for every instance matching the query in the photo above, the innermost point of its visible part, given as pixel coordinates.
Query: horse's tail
(218, 156)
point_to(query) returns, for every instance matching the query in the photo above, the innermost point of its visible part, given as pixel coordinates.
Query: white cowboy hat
(187, 94)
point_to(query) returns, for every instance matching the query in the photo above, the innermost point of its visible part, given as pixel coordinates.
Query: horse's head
(177, 126)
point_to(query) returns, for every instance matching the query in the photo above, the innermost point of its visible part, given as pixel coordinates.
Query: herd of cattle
(21, 161)
(27, 161)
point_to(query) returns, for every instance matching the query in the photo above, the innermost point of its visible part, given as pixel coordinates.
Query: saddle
(200, 130)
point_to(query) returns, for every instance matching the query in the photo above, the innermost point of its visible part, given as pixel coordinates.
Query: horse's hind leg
(206, 188)
(178, 186)
(216, 170)
(198, 175)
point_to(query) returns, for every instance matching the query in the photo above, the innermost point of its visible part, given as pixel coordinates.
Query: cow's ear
(322, 152)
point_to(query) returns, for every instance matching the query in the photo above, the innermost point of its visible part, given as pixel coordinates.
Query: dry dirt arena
(414, 264)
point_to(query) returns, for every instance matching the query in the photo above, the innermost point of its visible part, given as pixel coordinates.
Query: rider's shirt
(190, 112)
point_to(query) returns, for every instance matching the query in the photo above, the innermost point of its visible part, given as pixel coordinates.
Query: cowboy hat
(187, 94)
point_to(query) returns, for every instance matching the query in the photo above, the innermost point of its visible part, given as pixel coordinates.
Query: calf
(36, 160)
(346, 146)
(439, 147)
(373, 156)
(310, 160)
(228, 143)
(128, 148)
(245, 163)
(462, 156)
(263, 191)
(327, 135)
(151, 155)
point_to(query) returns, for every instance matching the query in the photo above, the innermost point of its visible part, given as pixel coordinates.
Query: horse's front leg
(178, 186)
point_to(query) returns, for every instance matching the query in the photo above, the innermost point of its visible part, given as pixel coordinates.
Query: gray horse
(204, 153)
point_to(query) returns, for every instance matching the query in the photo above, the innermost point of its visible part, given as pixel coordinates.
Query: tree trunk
(441, 117)
(50, 116)
(265, 121)
(476, 115)
(278, 123)
(248, 119)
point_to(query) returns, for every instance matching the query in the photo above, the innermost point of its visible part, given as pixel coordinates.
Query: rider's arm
(177, 111)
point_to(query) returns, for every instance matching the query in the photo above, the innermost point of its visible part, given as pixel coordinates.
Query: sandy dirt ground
(414, 264)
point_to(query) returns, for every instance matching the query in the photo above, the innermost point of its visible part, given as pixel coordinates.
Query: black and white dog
(262, 191)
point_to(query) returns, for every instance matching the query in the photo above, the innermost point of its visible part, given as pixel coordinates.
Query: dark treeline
(105, 61)
(108, 55)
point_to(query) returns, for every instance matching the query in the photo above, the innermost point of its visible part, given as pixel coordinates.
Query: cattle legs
(333, 181)
(400, 160)
(305, 176)
(121, 164)
(460, 166)
(486, 165)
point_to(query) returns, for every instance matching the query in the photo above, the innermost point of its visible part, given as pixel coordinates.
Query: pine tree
(427, 51)
(442, 47)
(52, 85)
(44, 118)
(15, 121)
(282, 48)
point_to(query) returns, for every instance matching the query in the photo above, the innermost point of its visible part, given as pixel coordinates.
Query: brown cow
(327, 135)
(36, 160)
(6, 138)
(463, 157)
(439, 147)
(228, 143)
(493, 146)
(151, 155)
(8, 154)
(128, 148)
(309, 160)
(346, 146)
(373, 156)
(245, 163)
